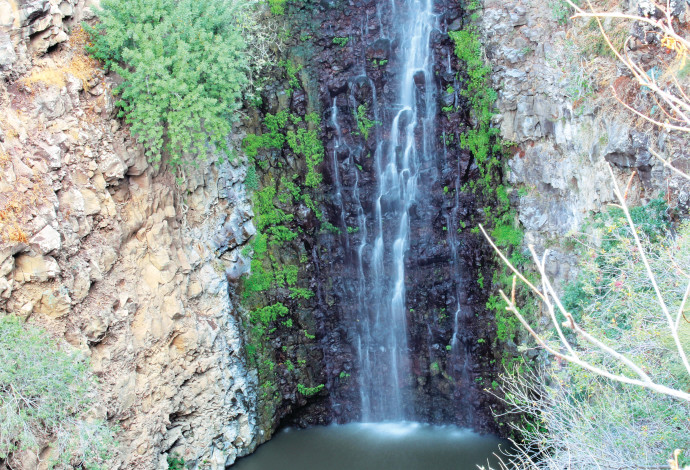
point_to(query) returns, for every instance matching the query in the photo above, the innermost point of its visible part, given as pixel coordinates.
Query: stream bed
(374, 446)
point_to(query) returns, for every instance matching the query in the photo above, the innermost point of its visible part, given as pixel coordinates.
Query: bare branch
(668, 165)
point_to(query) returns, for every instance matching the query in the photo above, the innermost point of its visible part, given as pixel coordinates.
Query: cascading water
(403, 307)
(399, 163)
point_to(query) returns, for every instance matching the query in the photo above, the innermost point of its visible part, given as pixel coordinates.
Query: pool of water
(375, 446)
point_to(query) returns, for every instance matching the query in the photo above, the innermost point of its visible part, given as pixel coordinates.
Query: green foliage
(487, 150)
(481, 96)
(300, 293)
(175, 462)
(605, 267)
(584, 419)
(326, 225)
(343, 375)
(277, 6)
(303, 142)
(251, 180)
(364, 124)
(271, 288)
(267, 212)
(507, 236)
(561, 10)
(291, 70)
(266, 315)
(183, 65)
(309, 391)
(308, 144)
(45, 392)
(342, 42)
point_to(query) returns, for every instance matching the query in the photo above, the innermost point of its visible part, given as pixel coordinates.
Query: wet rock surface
(446, 382)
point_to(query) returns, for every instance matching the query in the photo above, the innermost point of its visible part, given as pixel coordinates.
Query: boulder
(28, 268)
(46, 241)
(112, 167)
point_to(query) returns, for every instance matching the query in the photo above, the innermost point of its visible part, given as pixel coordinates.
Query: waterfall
(405, 152)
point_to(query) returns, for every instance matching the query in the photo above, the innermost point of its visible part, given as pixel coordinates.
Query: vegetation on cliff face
(575, 416)
(45, 395)
(616, 393)
(271, 290)
(488, 150)
(184, 66)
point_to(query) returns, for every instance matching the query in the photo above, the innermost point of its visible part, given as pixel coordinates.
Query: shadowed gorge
(284, 233)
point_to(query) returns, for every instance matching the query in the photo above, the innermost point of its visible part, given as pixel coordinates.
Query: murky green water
(380, 446)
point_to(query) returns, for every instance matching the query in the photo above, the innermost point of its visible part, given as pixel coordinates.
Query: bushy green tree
(44, 395)
(184, 68)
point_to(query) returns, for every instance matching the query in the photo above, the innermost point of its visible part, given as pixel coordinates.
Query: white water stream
(382, 336)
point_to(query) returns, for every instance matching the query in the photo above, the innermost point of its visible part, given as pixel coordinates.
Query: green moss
(308, 144)
(277, 6)
(300, 293)
(488, 152)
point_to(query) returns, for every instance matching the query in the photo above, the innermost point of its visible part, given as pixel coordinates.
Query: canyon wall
(115, 257)
(556, 104)
(140, 269)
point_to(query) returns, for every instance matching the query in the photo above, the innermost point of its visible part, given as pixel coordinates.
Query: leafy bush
(44, 392)
(277, 6)
(584, 420)
(184, 67)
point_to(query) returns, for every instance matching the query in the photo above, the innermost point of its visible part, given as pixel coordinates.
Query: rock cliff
(555, 102)
(115, 256)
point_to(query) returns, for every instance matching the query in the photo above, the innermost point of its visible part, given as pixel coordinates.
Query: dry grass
(657, 52)
(80, 65)
(16, 234)
(16, 208)
(4, 157)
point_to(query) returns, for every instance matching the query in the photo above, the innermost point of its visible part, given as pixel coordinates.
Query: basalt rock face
(445, 304)
(568, 128)
(116, 259)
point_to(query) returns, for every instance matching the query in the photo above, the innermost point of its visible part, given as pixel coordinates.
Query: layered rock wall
(555, 102)
(116, 258)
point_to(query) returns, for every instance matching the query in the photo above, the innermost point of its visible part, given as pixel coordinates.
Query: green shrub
(175, 462)
(184, 67)
(277, 6)
(44, 394)
(585, 420)
(364, 124)
(307, 143)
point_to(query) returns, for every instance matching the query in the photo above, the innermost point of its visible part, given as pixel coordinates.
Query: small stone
(46, 240)
(35, 268)
(54, 304)
(52, 154)
(112, 167)
(91, 203)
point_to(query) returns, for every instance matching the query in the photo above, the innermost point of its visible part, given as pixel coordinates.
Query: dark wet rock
(379, 49)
